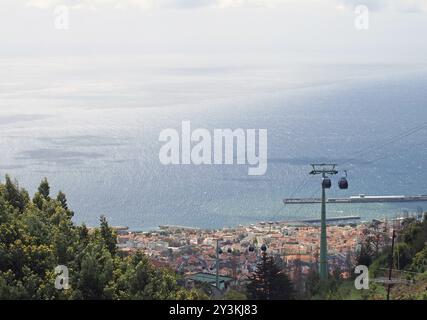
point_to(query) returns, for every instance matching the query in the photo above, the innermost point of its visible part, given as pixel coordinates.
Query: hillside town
(192, 251)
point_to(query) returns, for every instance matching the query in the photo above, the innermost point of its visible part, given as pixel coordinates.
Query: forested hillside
(37, 234)
(409, 266)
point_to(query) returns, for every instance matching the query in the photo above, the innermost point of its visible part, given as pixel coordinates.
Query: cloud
(396, 5)
(374, 5)
(153, 4)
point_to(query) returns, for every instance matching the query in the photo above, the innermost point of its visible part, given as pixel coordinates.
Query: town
(192, 252)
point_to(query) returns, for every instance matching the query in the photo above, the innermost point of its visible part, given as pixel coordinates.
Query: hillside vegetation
(37, 234)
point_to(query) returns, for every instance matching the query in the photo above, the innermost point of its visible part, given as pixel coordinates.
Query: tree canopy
(269, 282)
(38, 235)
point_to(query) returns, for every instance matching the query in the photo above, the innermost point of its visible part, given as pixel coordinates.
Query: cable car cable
(389, 141)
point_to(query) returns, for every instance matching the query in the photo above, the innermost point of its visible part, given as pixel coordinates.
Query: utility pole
(390, 265)
(217, 264)
(324, 170)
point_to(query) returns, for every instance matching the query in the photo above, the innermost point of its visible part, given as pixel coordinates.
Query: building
(210, 279)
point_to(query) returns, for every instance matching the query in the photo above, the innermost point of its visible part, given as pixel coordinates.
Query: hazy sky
(291, 29)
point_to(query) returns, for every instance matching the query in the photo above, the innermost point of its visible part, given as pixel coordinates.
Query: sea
(92, 125)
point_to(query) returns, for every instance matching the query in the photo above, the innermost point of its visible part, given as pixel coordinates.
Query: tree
(419, 263)
(83, 233)
(16, 197)
(38, 200)
(402, 256)
(108, 235)
(312, 283)
(36, 236)
(95, 274)
(269, 282)
(297, 277)
(365, 255)
(62, 199)
(44, 189)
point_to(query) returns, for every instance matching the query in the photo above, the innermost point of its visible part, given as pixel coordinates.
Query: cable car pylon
(326, 170)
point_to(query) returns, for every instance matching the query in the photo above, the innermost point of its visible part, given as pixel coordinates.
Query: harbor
(331, 219)
(358, 199)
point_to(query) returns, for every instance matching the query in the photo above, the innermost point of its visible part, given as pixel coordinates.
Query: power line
(298, 188)
(389, 141)
(301, 205)
(362, 152)
(391, 154)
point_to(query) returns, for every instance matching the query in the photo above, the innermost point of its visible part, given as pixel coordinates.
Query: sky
(295, 30)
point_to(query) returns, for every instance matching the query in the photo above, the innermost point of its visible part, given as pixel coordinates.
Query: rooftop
(208, 277)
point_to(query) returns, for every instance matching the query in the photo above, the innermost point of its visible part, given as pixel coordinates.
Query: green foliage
(365, 255)
(414, 235)
(269, 282)
(38, 235)
(402, 255)
(419, 263)
(312, 284)
(62, 199)
(234, 295)
(44, 189)
(15, 196)
(334, 288)
(410, 254)
(108, 236)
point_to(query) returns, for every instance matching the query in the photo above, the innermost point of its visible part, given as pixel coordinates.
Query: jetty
(358, 199)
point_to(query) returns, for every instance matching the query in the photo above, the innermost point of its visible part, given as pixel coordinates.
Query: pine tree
(62, 199)
(13, 195)
(38, 200)
(35, 238)
(269, 282)
(44, 189)
(83, 233)
(108, 235)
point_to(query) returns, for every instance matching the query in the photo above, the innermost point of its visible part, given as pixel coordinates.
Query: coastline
(192, 251)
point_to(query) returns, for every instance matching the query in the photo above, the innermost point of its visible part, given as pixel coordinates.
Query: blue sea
(92, 129)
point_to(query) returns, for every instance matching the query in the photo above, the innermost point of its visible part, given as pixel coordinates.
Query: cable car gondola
(326, 183)
(343, 183)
